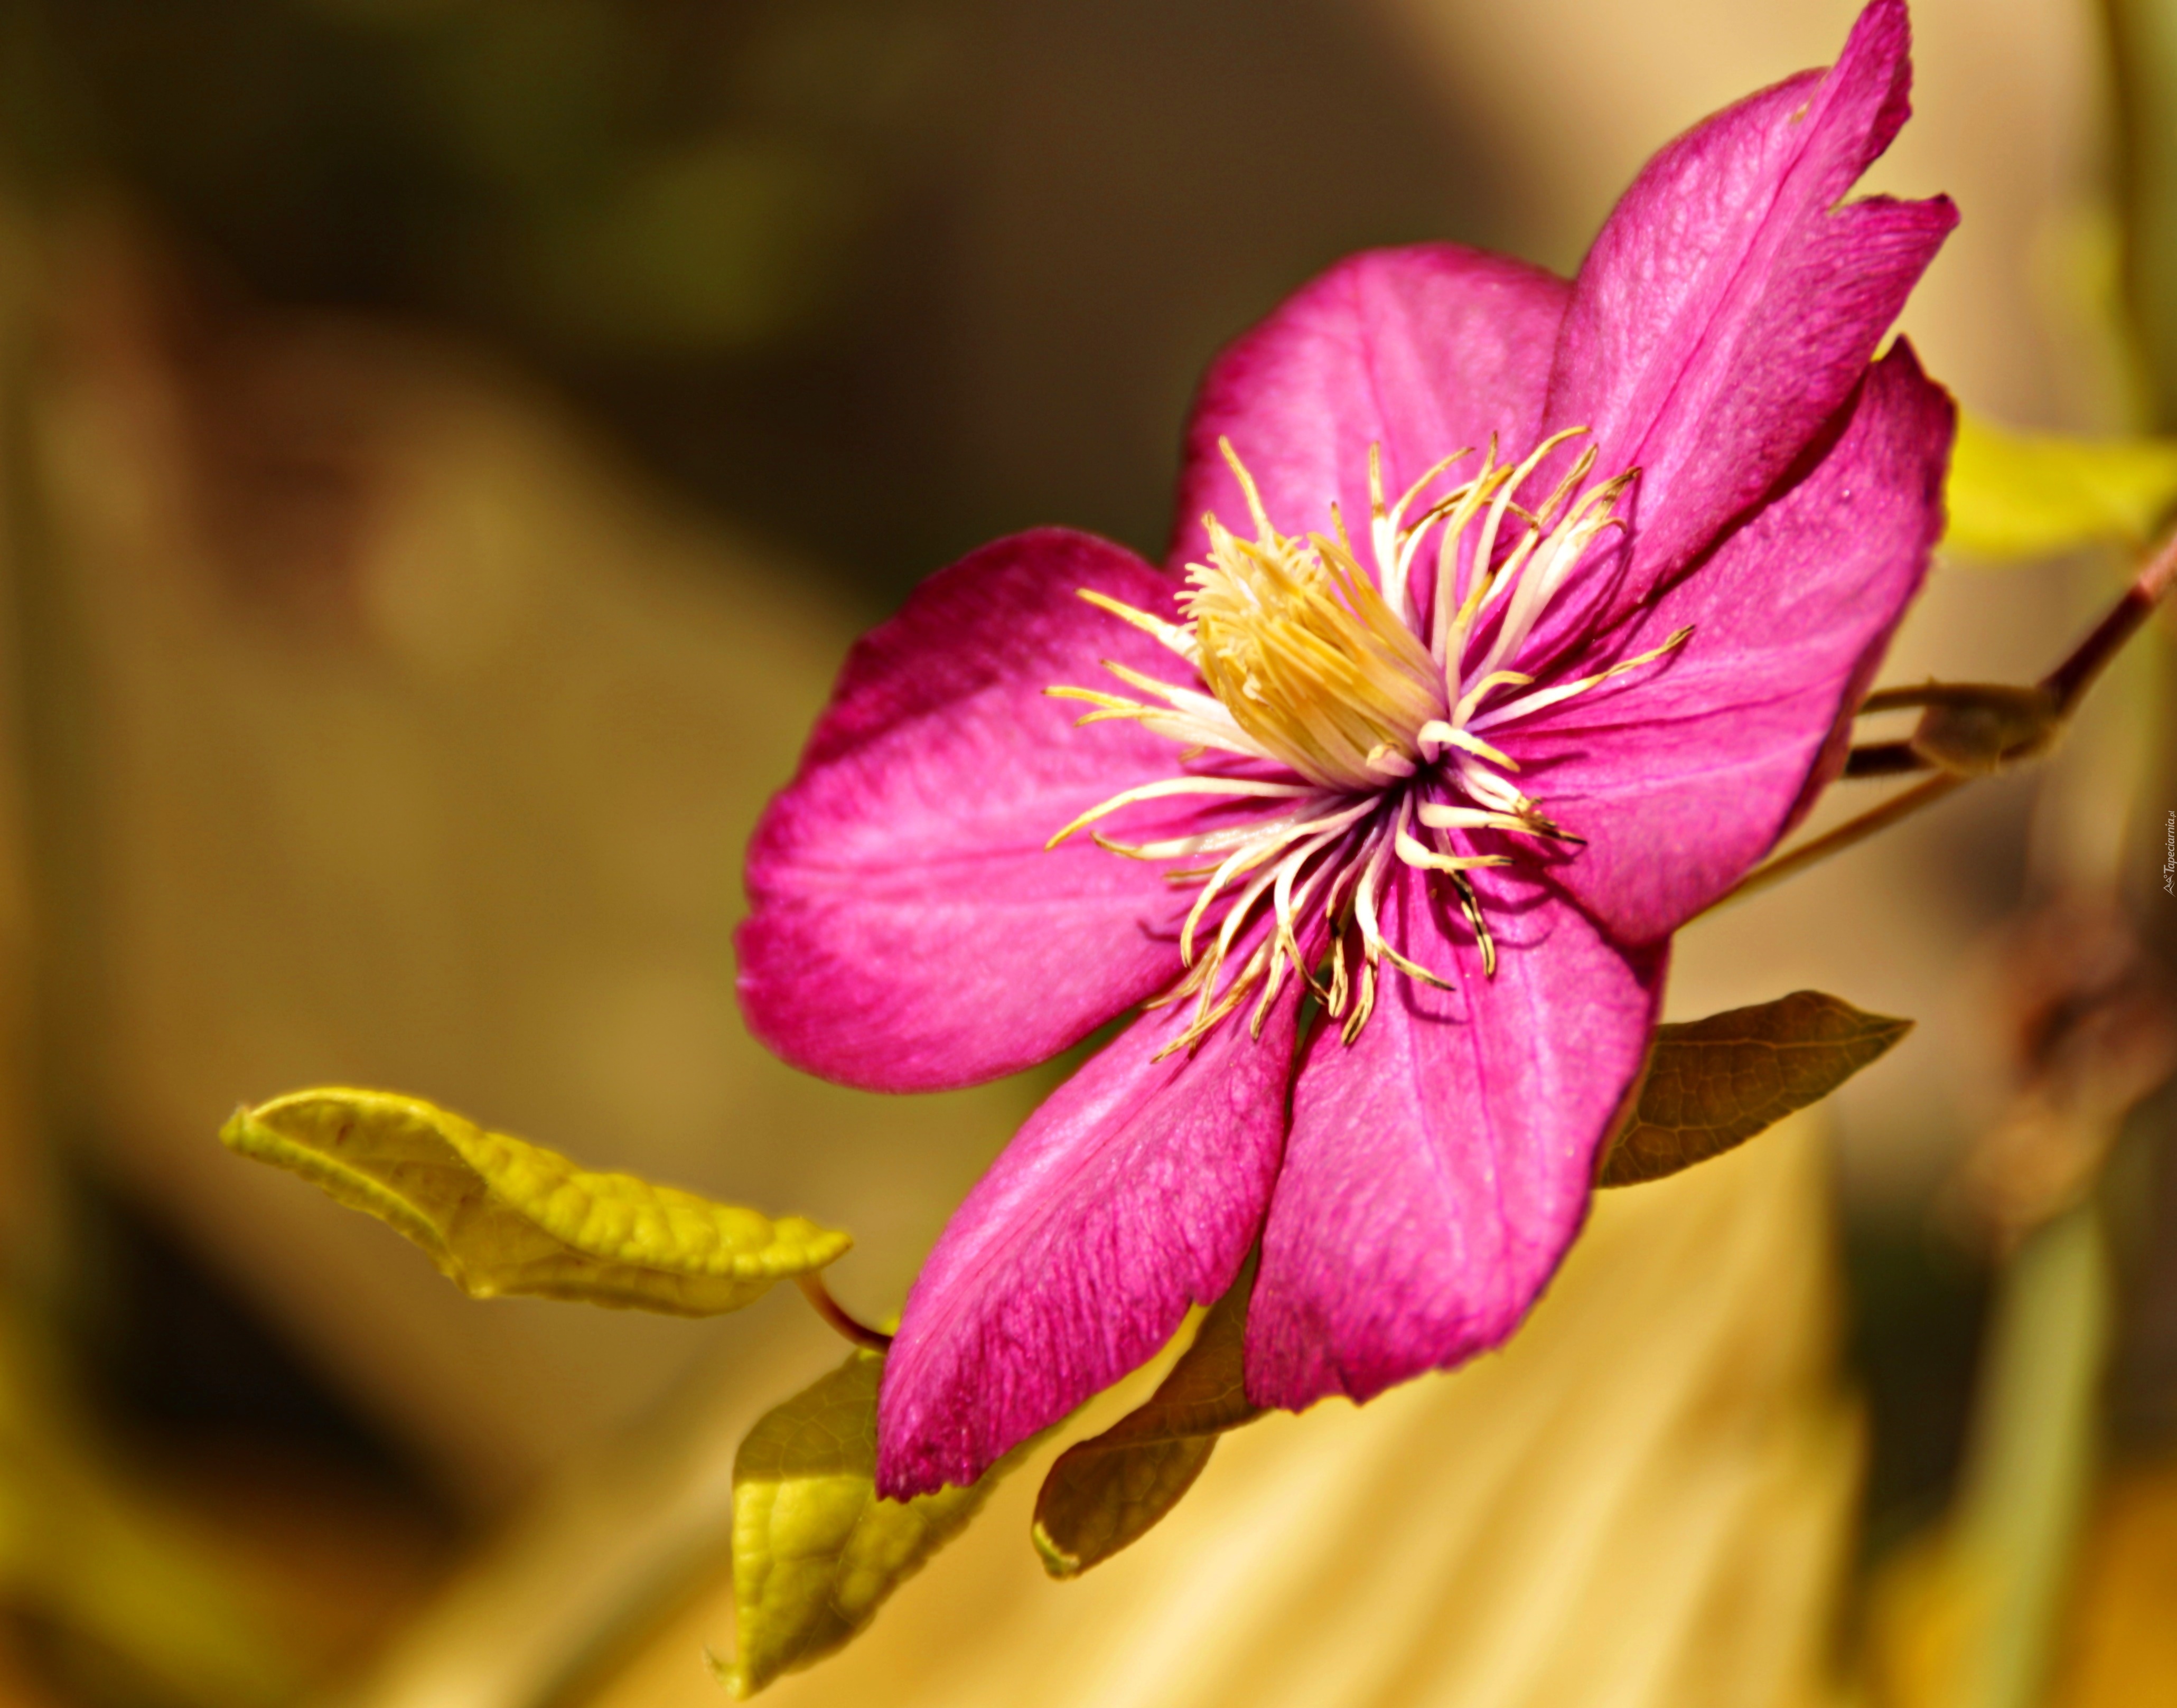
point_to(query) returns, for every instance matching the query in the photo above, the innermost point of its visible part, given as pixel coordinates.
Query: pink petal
(1730, 304)
(908, 931)
(1135, 1191)
(1424, 350)
(1440, 1165)
(1682, 780)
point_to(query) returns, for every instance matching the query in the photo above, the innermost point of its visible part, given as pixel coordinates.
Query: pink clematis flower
(1508, 621)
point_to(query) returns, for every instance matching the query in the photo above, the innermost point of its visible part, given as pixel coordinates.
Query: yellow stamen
(1317, 668)
(1298, 642)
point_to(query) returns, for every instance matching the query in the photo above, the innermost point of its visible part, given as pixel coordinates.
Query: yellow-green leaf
(1107, 1493)
(1714, 1084)
(815, 1551)
(500, 1215)
(2031, 495)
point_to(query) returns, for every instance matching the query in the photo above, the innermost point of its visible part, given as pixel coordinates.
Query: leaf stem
(811, 1283)
(2066, 686)
(1883, 760)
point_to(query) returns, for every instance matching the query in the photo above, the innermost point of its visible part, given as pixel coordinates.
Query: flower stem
(1883, 760)
(833, 1312)
(1834, 841)
(2066, 686)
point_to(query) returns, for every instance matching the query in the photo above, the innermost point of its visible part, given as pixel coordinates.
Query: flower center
(1343, 725)
(1299, 646)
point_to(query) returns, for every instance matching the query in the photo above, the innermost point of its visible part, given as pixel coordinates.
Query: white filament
(1371, 718)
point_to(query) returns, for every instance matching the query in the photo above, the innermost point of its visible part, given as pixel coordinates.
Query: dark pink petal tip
(908, 929)
(1735, 296)
(1133, 1193)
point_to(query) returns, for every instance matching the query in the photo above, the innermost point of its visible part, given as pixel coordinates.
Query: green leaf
(500, 1215)
(2030, 495)
(1714, 1084)
(1107, 1493)
(815, 1551)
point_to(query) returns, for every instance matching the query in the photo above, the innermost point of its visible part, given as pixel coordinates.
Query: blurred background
(446, 447)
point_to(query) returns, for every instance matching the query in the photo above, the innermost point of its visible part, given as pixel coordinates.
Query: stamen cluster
(1355, 716)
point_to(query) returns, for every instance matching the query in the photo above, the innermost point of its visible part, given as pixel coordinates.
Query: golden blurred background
(446, 447)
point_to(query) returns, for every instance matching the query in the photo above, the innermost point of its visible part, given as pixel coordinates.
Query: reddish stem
(2066, 686)
(820, 1296)
(2069, 682)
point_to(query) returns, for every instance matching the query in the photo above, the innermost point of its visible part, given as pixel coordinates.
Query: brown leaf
(1714, 1084)
(1107, 1493)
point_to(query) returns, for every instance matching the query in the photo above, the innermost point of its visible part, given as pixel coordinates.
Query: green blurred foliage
(128, 1605)
(652, 174)
(2143, 37)
(878, 278)
(2142, 42)
(2023, 498)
